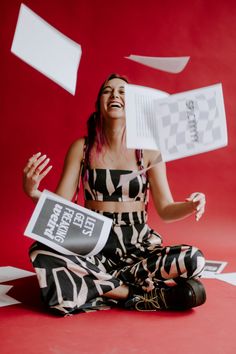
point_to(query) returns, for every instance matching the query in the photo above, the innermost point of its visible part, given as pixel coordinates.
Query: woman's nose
(114, 94)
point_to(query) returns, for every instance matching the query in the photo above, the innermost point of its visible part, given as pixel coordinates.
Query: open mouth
(115, 105)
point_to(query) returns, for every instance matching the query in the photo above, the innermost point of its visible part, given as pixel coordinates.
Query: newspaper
(67, 227)
(178, 125)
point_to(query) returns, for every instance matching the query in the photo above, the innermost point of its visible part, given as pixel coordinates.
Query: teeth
(118, 105)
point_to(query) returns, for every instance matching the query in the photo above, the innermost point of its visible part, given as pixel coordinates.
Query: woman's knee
(195, 261)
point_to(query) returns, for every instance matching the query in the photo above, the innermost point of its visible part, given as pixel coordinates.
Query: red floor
(27, 328)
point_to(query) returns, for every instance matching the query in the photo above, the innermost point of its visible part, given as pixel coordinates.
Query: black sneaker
(186, 295)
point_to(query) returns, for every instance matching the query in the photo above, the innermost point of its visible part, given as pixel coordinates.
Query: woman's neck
(115, 134)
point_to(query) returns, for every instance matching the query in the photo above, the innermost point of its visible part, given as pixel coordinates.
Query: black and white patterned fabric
(133, 255)
(104, 184)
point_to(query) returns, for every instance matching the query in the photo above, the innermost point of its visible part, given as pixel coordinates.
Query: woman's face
(112, 101)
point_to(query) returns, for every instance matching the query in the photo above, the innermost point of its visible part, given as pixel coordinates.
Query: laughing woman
(134, 270)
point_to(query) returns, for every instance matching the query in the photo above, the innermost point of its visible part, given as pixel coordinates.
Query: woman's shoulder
(78, 143)
(77, 147)
(151, 157)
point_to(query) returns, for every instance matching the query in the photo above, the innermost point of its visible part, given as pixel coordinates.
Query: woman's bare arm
(38, 167)
(167, 208)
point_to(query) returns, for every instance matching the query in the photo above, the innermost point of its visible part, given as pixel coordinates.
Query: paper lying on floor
(6, 300)
(227, 277)
(172, 65)
(11, 273)
(46, 49)
(213, 267)
(177, 125)
(213, 270)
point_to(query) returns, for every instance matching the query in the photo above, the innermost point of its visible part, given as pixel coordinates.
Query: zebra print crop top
(105, 184)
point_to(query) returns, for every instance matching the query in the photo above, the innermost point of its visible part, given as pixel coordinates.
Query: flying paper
(172, 65)
(126, 178)
(178, 125)
(46, 49)
(68, 227)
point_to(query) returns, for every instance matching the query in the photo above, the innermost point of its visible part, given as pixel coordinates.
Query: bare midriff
(115, 207)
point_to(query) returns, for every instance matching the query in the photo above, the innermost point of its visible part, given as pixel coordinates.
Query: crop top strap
(139, 157)
(82, 168)
(85, 160)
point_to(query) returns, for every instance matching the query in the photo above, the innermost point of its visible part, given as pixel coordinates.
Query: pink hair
(95, 122)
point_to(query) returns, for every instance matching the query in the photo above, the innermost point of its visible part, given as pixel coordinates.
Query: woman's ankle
(120, 293)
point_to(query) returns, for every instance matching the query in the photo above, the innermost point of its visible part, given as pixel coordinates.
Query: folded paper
(178, 125)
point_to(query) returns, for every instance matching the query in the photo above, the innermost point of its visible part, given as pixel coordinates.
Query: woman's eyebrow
(105, 87)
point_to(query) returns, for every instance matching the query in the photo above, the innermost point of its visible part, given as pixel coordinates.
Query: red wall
(38, 115)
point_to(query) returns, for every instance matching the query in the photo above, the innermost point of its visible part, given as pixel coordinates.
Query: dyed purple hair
(95, 123)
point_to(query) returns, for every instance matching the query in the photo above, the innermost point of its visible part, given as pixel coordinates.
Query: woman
(134, 270)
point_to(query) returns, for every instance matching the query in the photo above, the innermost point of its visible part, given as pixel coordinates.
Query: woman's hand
(33, 173)
(198, 201)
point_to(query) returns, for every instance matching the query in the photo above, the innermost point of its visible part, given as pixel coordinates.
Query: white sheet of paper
(172, 65)
(46, 49)
(9, 273)
(141, 122)
(126, 178)
(213, 270)
(212, 267)
(178, 125)
(77, 230)
(6, 300)
(227, 277)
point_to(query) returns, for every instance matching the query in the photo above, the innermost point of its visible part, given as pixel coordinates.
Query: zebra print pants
(134, 255)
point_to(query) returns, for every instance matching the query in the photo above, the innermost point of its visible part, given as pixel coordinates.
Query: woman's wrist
(35, 195)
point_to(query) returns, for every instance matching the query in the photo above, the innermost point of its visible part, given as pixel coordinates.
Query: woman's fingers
(31, 162)
(45, 172)
(36, 167)
(199, 200)
(36, 164)
(35, 170)
(41, 164)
